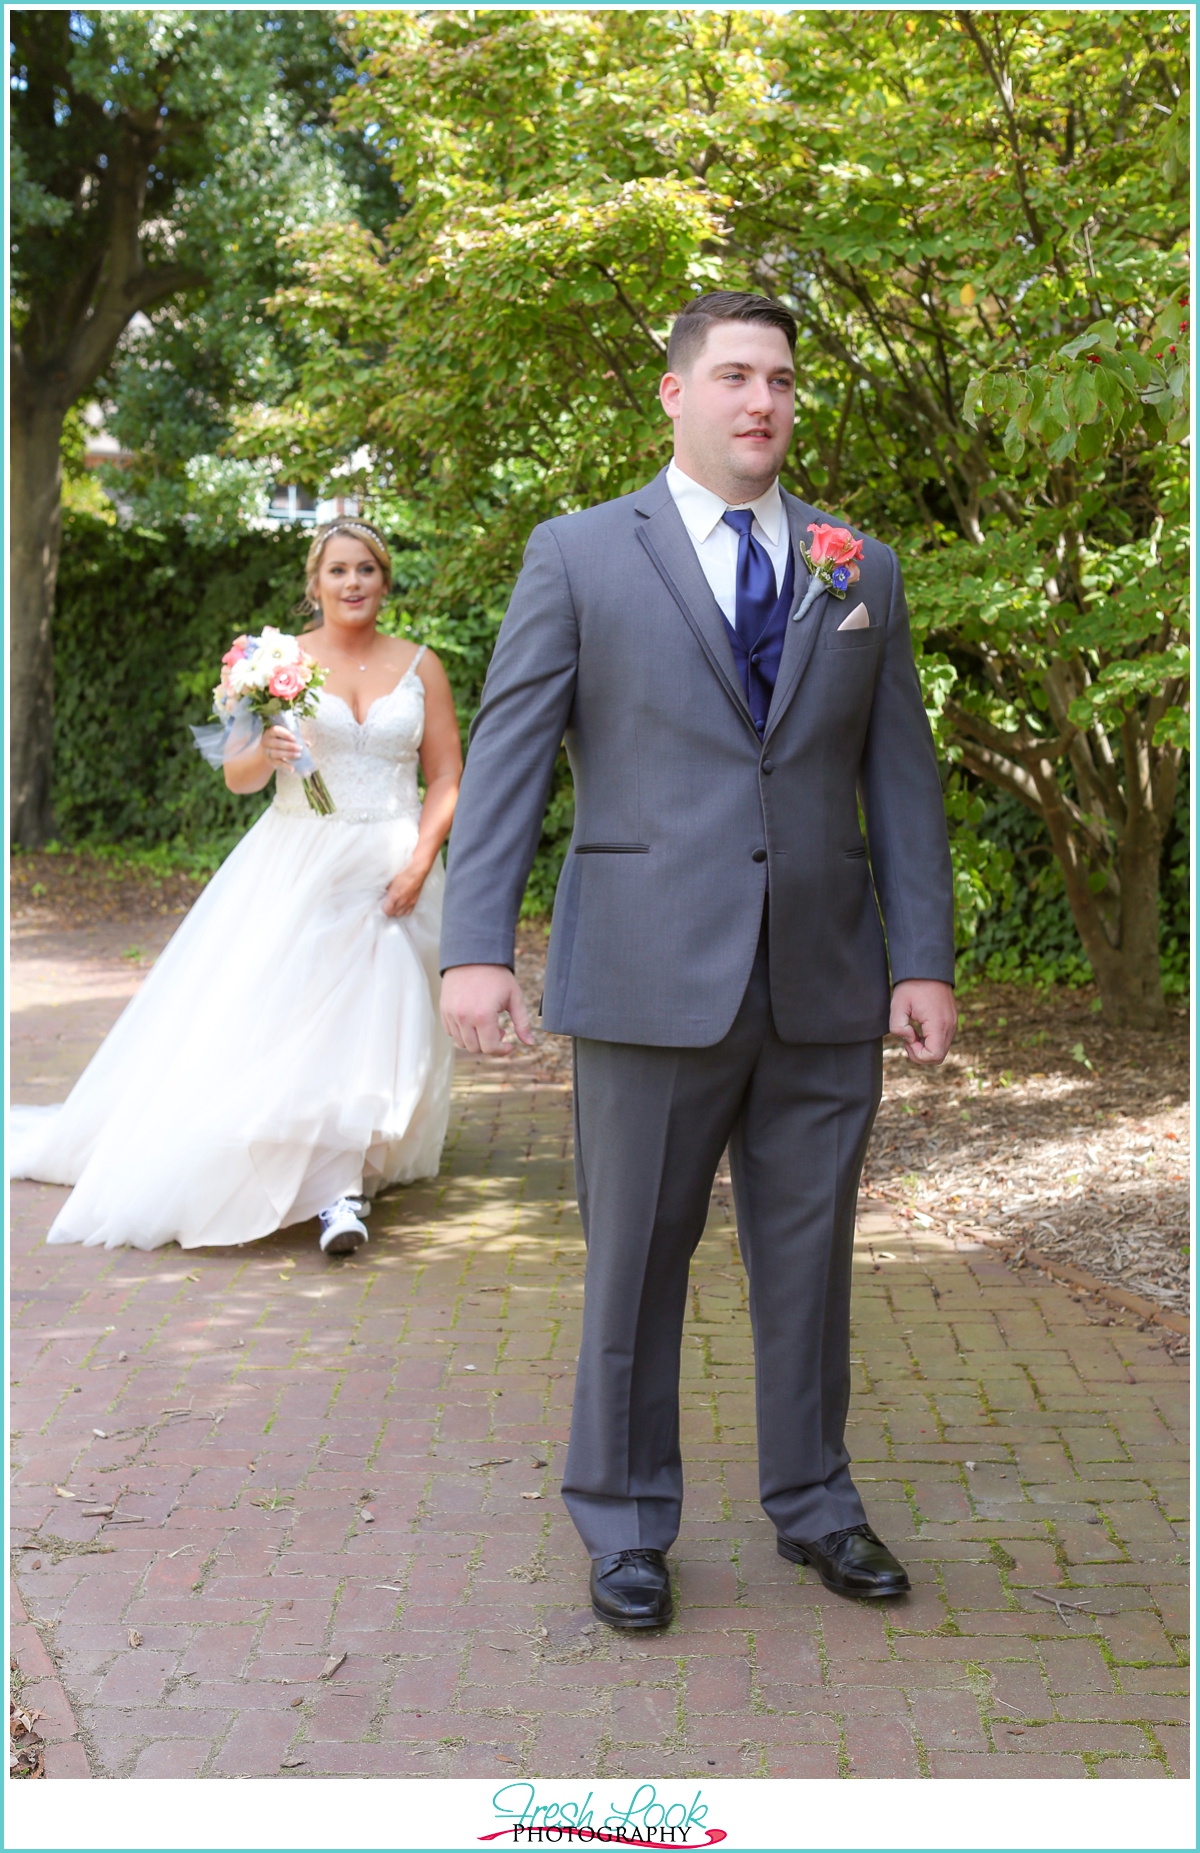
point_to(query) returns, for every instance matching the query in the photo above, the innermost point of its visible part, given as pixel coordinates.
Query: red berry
(1170, 350)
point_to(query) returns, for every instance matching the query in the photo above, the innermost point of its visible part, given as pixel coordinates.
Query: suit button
(768, 765)
(754, 658)
(758, 855)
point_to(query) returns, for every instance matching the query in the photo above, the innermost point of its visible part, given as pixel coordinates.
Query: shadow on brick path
(319, 1458)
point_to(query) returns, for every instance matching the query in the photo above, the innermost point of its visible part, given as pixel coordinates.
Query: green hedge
(141, 624)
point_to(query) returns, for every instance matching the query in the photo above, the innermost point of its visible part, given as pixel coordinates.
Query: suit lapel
(666, 540)
(801, 638)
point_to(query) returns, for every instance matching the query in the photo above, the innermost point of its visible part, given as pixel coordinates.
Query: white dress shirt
(716, 543)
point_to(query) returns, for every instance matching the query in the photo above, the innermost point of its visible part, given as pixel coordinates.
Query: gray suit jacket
(614, 640)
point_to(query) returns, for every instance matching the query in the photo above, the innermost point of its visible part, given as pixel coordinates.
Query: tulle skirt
(284, 1051)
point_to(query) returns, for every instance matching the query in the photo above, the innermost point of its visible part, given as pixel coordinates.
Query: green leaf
(1174, 729)
(1082, 398)
(1062, 445)
(994, 393)
(970, 400)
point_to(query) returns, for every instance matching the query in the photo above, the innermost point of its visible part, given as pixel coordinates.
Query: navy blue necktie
(756, 589)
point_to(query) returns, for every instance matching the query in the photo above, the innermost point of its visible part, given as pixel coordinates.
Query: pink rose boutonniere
(832, 559)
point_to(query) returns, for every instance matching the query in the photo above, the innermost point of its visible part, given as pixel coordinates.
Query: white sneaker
(341, 1230)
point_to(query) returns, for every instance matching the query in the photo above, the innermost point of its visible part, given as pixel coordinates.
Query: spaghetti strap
(415, 664)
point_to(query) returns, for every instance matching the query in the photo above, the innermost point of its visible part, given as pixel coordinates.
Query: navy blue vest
(758, 662)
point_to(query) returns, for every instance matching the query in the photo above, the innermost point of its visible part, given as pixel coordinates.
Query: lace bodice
(370, 766)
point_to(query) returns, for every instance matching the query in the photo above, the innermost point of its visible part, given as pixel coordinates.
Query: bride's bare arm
(250, 770)
(441, 767)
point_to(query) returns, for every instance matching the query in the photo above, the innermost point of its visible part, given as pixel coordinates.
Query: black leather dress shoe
(632, 1589)
(851, 1563)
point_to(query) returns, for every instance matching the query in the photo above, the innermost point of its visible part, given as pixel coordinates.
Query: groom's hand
(474, 997)
(925, 1016)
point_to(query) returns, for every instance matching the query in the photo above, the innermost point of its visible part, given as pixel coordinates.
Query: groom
(727, 950)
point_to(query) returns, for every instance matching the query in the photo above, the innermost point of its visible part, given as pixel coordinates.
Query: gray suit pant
(650, 1127)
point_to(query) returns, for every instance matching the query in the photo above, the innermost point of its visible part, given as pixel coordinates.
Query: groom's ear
(669, 388)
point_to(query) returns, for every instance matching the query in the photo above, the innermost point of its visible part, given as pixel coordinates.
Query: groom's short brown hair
(694, 320)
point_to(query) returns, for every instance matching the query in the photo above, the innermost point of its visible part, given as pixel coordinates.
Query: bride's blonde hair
(364, 531)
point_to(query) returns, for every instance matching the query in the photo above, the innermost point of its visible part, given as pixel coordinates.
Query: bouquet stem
(317, 793)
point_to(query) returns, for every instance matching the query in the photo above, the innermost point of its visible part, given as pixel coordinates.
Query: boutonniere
(832, 560)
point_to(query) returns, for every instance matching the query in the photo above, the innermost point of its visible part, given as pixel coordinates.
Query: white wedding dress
(286, 1048)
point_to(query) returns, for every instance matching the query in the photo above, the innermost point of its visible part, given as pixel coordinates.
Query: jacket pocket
(612, 849)
(867, 639)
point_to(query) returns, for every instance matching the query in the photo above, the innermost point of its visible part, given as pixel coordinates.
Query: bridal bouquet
(266, 681)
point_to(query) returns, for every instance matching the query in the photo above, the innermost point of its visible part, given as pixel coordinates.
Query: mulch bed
(1046, 1127)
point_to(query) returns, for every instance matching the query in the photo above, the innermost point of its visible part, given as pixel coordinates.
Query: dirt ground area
(73, 888)
(1043, 1126)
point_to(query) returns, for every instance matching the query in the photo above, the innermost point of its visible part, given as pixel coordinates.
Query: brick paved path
(362, 1459)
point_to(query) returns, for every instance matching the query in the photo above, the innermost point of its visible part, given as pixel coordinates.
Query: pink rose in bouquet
(289, 680)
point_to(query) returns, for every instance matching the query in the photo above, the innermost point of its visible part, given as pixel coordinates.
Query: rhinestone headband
(344, 525)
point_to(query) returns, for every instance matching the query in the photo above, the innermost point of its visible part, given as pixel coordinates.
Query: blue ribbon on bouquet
(243, 729)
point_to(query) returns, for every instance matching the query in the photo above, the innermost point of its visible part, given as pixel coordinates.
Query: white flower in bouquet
(275, 651)
(247, 674)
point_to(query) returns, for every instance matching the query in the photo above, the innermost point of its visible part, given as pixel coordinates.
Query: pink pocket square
(857, 620)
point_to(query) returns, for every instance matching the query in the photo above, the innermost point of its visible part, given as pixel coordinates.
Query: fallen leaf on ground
(298, 1700)
(135, 1639)
(502, 1460)
(64, 1494)
(531, 1495)
(292, 1762)
(331, 1666)
(101, 1433)
(191, 1277)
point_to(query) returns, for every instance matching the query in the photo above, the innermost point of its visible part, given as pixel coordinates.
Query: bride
(285, 1055)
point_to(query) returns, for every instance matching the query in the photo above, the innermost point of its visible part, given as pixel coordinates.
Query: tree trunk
(1130, 975)
(1128, 972)
(35, 522)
